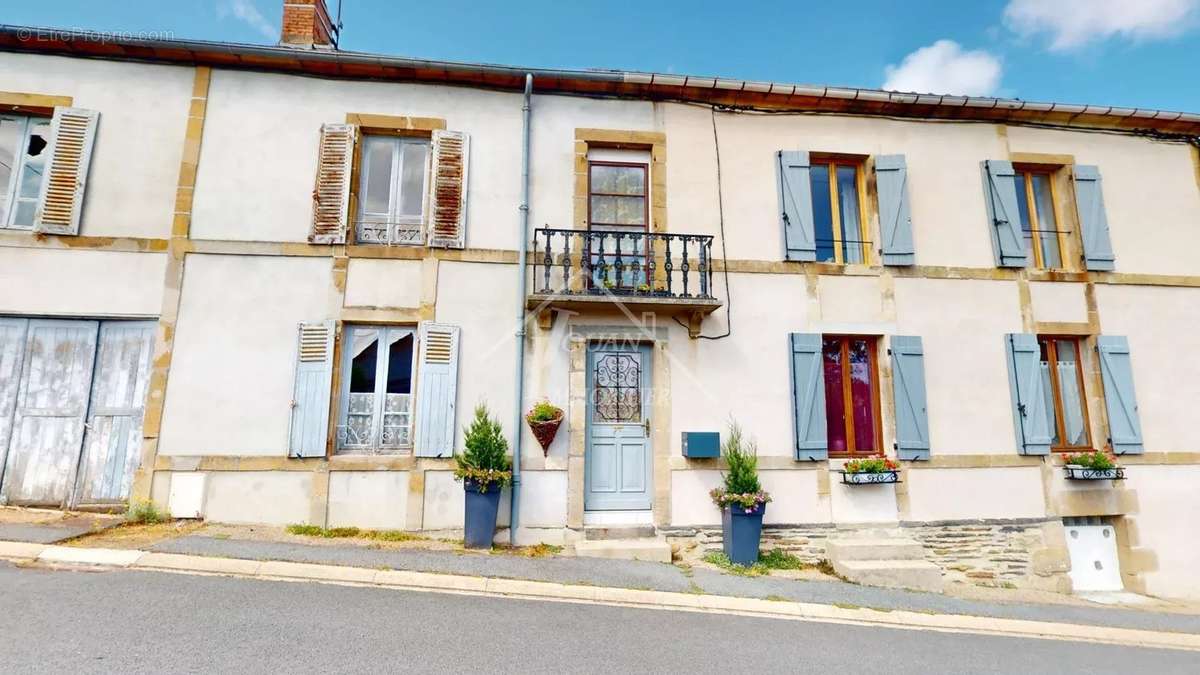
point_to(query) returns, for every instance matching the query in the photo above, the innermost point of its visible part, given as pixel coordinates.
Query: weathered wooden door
(113, 434)
(52, 401)
(617, 467)
(12, 352)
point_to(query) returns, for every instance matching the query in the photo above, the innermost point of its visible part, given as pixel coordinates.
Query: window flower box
(875, 471)
(1092, 466)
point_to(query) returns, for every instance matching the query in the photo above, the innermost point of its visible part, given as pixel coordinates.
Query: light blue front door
(617, 467)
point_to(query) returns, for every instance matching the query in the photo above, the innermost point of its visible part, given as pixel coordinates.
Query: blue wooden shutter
(795, 198)
(437, 389)
(908, 386)
(808, 397)
(1093, 222)
(1028, 393)
(1004, 218)
(1124, 428)
(895, 220)
(310, 398)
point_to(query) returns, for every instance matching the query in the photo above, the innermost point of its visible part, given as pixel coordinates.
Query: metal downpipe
(522, 245)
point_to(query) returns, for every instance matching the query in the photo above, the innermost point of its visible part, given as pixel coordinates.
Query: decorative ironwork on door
(617, 394)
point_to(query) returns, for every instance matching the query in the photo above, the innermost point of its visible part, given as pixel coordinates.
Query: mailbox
(698, 444)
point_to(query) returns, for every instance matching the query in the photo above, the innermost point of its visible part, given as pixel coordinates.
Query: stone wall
(1005, 554)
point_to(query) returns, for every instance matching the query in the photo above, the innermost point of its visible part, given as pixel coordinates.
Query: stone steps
(653, 550)
(598, 532)
(888, 561)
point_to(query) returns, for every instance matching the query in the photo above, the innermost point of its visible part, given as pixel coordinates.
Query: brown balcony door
(618, 204)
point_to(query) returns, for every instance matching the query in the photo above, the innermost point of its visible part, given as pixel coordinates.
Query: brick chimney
(306, 24)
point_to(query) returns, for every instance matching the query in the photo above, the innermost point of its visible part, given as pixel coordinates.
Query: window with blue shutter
(895, 220)
(1093, 222)
(796, 209)
(1030, 416)
(1003, 211)
(309, 425)
(1124, 427)
(808, 397)
(437, 389)
(908, 386)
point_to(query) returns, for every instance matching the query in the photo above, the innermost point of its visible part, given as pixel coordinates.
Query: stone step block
(653, 550)
(916, 575)
(874, 549)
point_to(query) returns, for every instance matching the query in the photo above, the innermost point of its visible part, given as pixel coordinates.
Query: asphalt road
(54, 621)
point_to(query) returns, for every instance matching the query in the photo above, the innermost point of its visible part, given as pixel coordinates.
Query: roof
(772, 96)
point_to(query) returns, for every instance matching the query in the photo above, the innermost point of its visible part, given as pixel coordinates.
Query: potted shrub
(742, 500)
(543, 419)
(484, 468)
(1093, 466)
(871, 471)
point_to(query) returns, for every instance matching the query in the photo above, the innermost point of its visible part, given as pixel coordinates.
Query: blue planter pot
(741, 532)
(481, 509)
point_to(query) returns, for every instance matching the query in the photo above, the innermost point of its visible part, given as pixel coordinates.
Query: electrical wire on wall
(721, 221)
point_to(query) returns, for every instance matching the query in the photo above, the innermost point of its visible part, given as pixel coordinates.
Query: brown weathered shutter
(331, 195)
(72, 133)
(448, 189)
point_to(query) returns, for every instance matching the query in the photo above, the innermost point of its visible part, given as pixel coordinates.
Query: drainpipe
(522, 244)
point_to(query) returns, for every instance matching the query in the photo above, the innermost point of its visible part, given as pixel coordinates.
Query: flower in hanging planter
(543, 411)
(742, 488)
(872, 465)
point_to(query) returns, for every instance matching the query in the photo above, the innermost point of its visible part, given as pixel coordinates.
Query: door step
(600, 532)
(652, 550)
(888, 562)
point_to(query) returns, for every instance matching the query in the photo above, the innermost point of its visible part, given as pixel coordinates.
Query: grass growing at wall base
(775, 559)
(352, 532)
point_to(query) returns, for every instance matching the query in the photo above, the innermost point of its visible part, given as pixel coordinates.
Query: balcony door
(618, 219)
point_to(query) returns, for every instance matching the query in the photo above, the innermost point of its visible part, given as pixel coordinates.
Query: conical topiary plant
(484, 460)
(742, 487)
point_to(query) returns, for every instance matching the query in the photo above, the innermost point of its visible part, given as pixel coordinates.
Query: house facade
(270, 284)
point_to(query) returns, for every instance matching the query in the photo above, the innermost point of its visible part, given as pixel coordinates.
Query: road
(54, 621)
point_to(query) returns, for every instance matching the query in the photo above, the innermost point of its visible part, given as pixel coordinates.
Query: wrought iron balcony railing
(611, 262)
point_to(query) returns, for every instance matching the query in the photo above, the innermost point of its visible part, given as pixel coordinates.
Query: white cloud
(247, 13)
(1074, 23)
(944, 68)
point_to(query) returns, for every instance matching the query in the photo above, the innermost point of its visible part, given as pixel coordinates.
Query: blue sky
(1136, 53)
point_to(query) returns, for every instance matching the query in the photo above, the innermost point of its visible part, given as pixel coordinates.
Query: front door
(618, 465)
(48, 420)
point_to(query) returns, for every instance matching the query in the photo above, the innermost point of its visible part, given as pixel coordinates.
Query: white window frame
(8, 193)
(407, 230)
(374, 444)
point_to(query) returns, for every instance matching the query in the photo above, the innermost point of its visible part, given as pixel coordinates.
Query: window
(838, 210)
(23, 143)
(1062, 384)
(851, 395)
(391, 192)
(618, 210)
(1036, 199)
(377, 386)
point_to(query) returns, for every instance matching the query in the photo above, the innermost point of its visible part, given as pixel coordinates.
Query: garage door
(71, 407)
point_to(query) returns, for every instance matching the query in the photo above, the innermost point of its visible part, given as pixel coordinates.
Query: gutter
(519, 375)
(773, 96)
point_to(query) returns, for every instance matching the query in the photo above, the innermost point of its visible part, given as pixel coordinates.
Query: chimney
(306, 24)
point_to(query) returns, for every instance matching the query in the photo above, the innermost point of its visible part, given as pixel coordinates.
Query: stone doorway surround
(645, 332)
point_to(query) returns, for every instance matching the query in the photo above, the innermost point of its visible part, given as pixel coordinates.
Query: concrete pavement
(134, 621)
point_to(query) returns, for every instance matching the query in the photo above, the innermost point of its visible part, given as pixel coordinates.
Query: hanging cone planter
(544, 430)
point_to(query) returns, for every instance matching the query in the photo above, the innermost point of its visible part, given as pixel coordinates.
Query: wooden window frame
(1051, 345)
(359, 183)
(645, 167)
(341, 389)
(831, 162)
(848, 397)
(1024, 174)
(9, 193)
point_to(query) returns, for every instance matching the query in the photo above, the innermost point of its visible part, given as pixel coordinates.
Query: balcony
(635, 272)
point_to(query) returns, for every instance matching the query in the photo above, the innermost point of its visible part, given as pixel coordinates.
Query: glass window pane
(1047, 223)
(412, 178)
(10, 140)
(862, 396)
(400, 354)
(1072, 399)
(1023, 212)
(623, 180)
(631, 210)
(377, 186)
(1051, 404)
(604, 210)
(822, 212)
(364, 345)
(852, 244)
(35, 159)
(835, 409)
